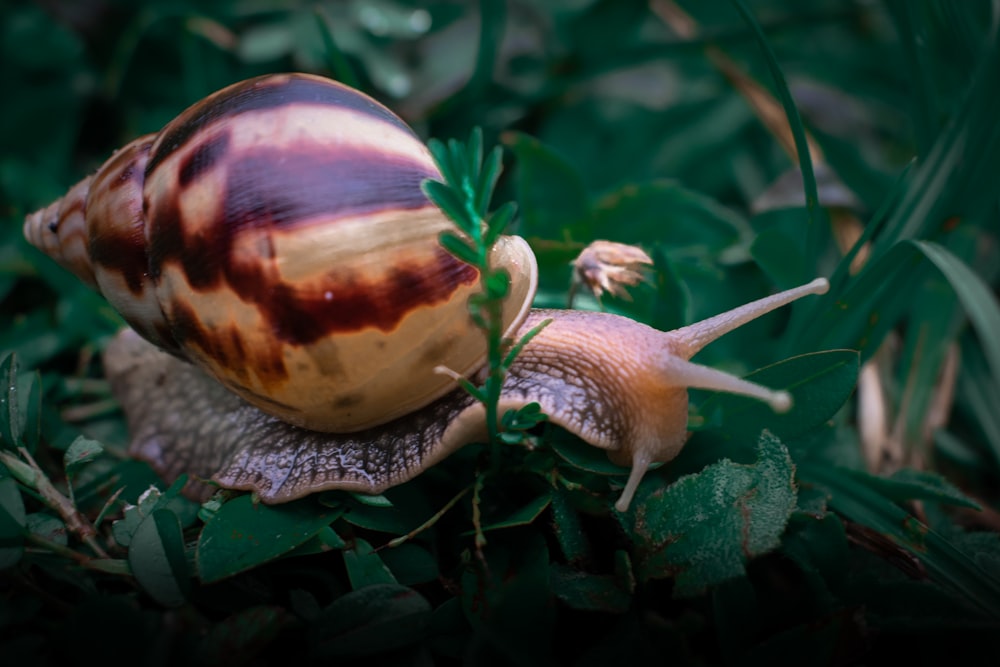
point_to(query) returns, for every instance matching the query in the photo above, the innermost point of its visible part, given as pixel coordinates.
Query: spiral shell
(275, 234)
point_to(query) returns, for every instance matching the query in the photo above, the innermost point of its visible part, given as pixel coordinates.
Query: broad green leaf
(368, 621)
(685, 222)
(244, 534)
(703, 528)
(411, 564)
(820, 383)
(157, 560)
(552, 197)
(780, 256)
(407, 509)
(579, 454)
(365, 567)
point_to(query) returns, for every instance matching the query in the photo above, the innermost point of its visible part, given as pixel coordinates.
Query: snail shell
(275, 234)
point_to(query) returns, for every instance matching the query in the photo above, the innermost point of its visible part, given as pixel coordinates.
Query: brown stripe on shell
(117, 230)
(269, 188)
(206, 156)
(304, 315)
(261, 93)
(225, 347)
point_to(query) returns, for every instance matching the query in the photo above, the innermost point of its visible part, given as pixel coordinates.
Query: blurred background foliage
(655, 123)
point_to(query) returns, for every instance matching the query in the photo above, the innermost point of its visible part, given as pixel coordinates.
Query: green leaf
(567, 527)
(523, 516)
(976, 296)
(551, 195)
(409, 508)
(451, 203)
(909, 484)
(13, 520)
(47, 527)
(581, 455)
(30, 389)
(683, 222)
(819, 383)
(244, 534)
(704, 527)
(10, 431)
(815, 217)
(364, 567)
(371, 620)
(81, 451)
(781, 257)
(458, 247)
(157, 560)
(411, 564)
(945, 563)
(336, 60)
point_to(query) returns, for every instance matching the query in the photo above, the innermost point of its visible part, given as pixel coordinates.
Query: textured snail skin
(617, 384)
(275, 233)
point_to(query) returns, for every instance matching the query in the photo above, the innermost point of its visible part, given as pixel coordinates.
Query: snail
(278, 263)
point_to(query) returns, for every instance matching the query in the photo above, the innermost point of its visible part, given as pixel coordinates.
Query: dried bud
(606, 266)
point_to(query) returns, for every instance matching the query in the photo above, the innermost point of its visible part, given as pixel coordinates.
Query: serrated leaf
(704, 527)
(244, 534)
(371, 620)
(157, 560)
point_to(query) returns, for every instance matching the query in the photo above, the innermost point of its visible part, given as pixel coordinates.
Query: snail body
(276, 236)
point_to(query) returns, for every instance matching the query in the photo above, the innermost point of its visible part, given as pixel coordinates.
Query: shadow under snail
(275, 235)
